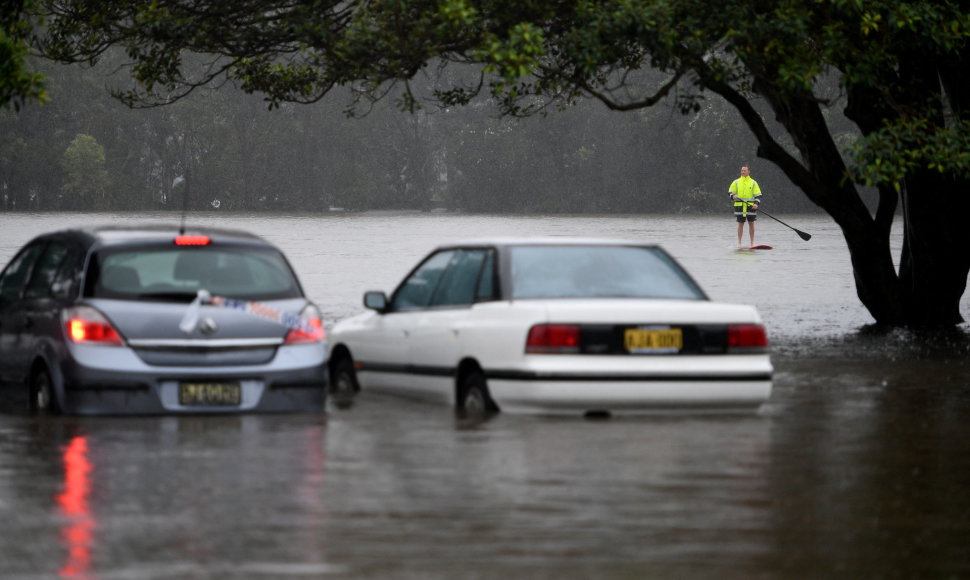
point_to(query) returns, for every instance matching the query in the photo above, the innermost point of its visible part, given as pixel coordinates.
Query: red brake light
(85, 325)
(312, 331)
(553, 339)
(747, 337)
(192, 240)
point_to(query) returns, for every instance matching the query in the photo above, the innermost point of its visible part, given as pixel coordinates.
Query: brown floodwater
(857, 467)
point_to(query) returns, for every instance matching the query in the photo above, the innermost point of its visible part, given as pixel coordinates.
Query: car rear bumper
(617, 395)
(91, 390)
(580, 384)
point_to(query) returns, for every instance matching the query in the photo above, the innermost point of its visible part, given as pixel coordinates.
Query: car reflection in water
(186, 495)
(78, 532)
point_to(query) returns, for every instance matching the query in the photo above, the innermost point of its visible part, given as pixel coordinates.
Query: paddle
(800, 233)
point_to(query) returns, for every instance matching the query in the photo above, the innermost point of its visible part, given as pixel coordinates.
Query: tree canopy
(18, 83)
(87, 179)
(900, 67)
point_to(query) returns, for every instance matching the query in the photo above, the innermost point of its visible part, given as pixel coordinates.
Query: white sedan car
(594, 327)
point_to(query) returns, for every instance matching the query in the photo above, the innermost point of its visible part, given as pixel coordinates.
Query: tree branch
(613, 105)
(768, 147)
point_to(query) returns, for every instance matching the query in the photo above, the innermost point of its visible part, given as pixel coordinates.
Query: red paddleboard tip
(760, 247)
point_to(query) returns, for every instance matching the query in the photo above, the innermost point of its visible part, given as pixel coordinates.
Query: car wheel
(474, 402)
(42, 398)
(343, 384)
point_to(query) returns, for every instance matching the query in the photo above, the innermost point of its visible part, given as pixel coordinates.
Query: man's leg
(740, 232)
(751, 229)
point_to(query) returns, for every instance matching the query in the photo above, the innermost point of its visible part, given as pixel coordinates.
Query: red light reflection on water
(78, 532)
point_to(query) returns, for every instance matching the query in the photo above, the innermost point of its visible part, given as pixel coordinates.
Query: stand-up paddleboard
(760, 247)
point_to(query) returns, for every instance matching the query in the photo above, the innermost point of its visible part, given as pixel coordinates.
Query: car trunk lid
(224, 334)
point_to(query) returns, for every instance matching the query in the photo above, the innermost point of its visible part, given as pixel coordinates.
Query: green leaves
(907, 146)
(18, 84)
(86, 177)
(279, 81)
(514, 56)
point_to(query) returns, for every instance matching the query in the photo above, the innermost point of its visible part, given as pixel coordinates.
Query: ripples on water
(856, 468)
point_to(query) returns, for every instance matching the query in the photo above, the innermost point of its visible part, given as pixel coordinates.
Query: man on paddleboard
(746, 195)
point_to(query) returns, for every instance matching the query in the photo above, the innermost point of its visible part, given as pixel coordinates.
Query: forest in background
(226, 151)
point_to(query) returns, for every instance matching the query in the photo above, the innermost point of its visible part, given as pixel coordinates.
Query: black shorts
(750, 217)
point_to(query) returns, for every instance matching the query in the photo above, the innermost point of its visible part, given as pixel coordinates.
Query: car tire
(474, 401)
(43, 400)
(343, 384)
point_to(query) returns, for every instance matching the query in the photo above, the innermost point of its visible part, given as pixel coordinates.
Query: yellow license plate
(653, 340)
(209, 394)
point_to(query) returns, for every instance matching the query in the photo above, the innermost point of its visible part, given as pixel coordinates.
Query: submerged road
(856, 468)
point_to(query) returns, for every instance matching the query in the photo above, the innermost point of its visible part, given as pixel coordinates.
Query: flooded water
(858, 466)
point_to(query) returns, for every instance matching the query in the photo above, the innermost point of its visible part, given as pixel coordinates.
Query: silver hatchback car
(156, 320)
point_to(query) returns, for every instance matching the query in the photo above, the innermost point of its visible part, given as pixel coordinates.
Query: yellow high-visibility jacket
(748, 191)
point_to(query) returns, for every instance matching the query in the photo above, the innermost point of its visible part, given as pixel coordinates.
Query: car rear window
(598, 272)
(179, 273)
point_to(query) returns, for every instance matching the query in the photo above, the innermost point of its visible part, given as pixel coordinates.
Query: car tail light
(553, 339)
(311, 332)
(185, 240)
(85, 325)
(747, 338)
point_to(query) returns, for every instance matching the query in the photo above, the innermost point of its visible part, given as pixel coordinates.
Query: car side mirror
(375, 300)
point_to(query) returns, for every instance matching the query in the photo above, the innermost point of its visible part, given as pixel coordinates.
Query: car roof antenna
(180, 180)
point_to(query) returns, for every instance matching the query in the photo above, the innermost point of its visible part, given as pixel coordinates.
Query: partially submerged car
(553, 326)
(153, 319)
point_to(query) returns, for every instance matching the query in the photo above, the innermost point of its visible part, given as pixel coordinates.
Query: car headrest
(120, 278)
(194, 265)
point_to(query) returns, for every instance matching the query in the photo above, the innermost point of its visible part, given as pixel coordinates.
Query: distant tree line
(221, 149)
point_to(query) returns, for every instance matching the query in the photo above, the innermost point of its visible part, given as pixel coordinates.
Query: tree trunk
(935, 260)
(867, 238)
